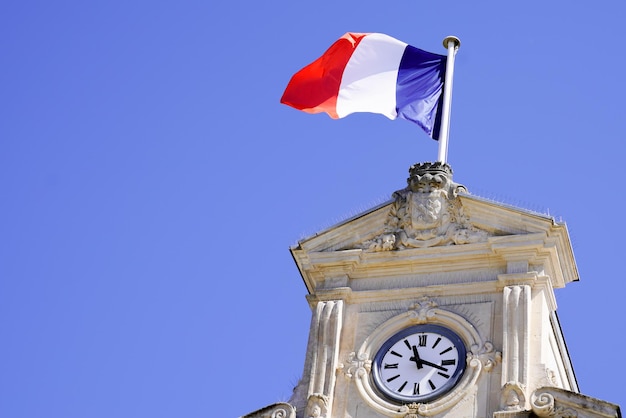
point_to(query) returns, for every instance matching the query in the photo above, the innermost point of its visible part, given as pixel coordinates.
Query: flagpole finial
(448, 39)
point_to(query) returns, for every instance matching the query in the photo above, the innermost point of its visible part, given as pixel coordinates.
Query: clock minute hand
(416, 358)
(436, 366)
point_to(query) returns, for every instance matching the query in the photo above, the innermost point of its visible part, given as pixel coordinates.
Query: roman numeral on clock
(419, 363)
(436, 342)
(422, 340)
(432, 385)
(393, 378)
(408, 344)
(445, 351)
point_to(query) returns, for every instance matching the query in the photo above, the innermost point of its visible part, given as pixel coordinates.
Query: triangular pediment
(431, 227)
(480, 216)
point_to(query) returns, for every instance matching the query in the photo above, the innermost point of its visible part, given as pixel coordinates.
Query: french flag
(372, 72)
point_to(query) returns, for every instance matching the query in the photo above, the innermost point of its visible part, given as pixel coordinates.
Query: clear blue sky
(151, 185)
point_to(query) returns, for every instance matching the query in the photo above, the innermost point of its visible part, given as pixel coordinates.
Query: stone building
(437, 304)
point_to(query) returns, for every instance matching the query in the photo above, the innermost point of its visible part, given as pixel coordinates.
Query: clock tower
(437, 303)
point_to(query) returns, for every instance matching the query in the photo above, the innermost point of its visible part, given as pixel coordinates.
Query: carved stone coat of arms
(426, 213)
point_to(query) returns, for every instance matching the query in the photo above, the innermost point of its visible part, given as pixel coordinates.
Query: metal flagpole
(452, 44)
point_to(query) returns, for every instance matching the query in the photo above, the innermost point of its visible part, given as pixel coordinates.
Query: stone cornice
(559, 403)
(497, 255)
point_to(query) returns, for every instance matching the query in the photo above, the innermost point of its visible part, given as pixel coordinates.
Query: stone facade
(436, 255)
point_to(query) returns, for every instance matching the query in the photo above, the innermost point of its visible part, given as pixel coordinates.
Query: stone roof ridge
(510, 206)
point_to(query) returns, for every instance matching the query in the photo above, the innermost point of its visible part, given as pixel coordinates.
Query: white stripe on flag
(369, 80)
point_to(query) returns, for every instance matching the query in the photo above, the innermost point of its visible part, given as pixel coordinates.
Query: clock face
(419, 363)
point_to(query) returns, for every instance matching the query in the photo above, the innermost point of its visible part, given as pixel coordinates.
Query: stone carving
(413, 410)
(278, 410)
(326, 329)
(517, 302)
(486, 354)
(423, 310)
(543, 405)
(317, 406)
(481, 358)
(513, 397)
(551, 378)
(384, 242)
(551, 402)
(357, 363)
(426, 213)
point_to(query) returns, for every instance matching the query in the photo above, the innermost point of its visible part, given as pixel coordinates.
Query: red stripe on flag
(314, 88)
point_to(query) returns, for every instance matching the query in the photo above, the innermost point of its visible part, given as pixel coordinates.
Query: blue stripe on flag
(419, 89)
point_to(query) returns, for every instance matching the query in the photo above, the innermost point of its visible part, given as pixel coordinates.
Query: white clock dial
(419, 363)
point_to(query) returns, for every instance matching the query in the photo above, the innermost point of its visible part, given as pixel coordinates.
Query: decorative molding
(413, 411)
(422, 310)
(551, 402)
(543, 405)
(481, 357)
(277, 410)
(427, 213)
(512, 414)
(325, 333)
(551, 378)
(516, 335)
(317, 406)
(513, 397)
(356, 364)
(486, 354)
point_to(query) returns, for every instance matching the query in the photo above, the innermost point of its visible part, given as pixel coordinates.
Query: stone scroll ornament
(427, 213)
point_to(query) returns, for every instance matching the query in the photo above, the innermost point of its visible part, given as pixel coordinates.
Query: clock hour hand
(416, 358)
